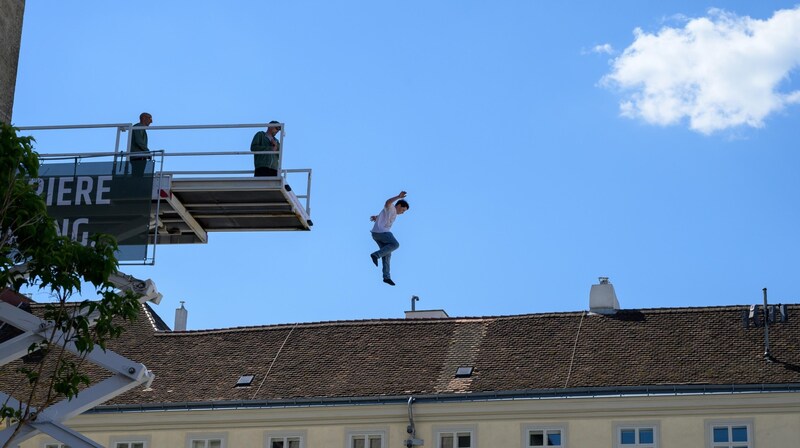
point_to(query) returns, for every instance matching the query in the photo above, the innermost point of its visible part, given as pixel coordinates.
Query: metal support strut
(127, 374)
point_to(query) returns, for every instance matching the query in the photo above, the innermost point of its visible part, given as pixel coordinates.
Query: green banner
(85, 198)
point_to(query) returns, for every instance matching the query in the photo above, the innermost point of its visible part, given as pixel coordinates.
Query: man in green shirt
(266, 164)
(139, 144)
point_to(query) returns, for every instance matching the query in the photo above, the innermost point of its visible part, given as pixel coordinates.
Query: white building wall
(590, 421)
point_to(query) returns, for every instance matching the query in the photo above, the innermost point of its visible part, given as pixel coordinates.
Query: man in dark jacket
(266, 164)
(139, 144)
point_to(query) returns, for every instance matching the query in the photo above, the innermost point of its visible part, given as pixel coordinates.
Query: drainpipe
(411, 430)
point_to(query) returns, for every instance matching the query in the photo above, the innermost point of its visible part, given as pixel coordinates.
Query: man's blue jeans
(387, 244)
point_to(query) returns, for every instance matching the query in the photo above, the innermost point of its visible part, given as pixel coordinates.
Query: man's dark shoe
(374, 259)
(388, 281)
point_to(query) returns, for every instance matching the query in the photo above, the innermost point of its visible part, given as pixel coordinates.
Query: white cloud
(603, 49)
(718, 72)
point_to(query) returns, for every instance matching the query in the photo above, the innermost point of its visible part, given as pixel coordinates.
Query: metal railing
(169, 158)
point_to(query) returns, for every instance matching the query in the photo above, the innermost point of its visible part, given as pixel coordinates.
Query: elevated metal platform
(191, 208)
(194, 191)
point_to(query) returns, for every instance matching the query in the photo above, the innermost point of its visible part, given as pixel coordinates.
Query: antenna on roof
(767, 356)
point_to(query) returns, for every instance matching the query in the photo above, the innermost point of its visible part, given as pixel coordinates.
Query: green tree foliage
(33, 255)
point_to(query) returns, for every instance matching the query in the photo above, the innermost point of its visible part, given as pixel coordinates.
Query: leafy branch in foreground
(33, 255)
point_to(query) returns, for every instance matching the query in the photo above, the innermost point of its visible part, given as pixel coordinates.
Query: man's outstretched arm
(390, 201)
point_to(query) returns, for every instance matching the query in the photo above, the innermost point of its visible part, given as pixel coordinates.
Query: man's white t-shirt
(385, 220)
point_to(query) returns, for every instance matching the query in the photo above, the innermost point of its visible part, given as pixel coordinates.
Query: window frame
(283, 435)
(748, 423)
(471, 429)
(113, 441)
(383, 432)
(637, 425)
(526, 429)
(195, 436)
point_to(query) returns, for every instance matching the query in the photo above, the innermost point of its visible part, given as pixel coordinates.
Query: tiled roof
(15, 299)
(398, 357)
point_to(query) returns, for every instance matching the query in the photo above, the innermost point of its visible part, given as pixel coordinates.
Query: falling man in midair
(383, 236)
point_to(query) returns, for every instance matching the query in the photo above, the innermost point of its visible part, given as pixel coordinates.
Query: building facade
(736, 420)
(657, 378)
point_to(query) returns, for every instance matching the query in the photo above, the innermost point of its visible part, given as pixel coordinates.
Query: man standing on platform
(266, 165)
(382, 235)
(139, 144)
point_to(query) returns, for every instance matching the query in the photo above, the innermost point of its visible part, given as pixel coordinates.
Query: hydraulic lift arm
(127, 374)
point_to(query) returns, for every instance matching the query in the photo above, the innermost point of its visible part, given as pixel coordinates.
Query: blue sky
(542, 145)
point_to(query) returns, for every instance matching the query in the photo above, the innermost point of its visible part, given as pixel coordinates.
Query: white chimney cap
(602, 298)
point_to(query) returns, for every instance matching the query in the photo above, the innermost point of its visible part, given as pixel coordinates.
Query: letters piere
(74, 191)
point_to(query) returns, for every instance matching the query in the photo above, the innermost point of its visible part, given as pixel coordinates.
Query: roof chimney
(602, 298)
(423, 314)
(181, 315)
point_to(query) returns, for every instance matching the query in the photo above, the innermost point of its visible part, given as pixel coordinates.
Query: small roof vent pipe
(181, 316)
(602, 298)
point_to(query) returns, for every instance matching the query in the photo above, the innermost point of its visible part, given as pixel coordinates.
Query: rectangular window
(207, 443)
(455, 440)
(455, 437)
(217, 440)
(130, 442)
(544, 437)
(284, 439)
(730, 434)
(130, 445)
(550, 434)
(366, 439)
(636, 435)
(284, 442)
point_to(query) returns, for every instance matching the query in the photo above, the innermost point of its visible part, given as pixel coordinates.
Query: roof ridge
(449, 320)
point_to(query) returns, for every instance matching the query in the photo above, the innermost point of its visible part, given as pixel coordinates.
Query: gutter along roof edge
(586, 392)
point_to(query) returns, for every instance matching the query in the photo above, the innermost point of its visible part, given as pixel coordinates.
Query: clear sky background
(542, 144)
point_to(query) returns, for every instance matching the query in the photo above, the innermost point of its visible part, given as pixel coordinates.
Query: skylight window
(464, 372)
(245, 380)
